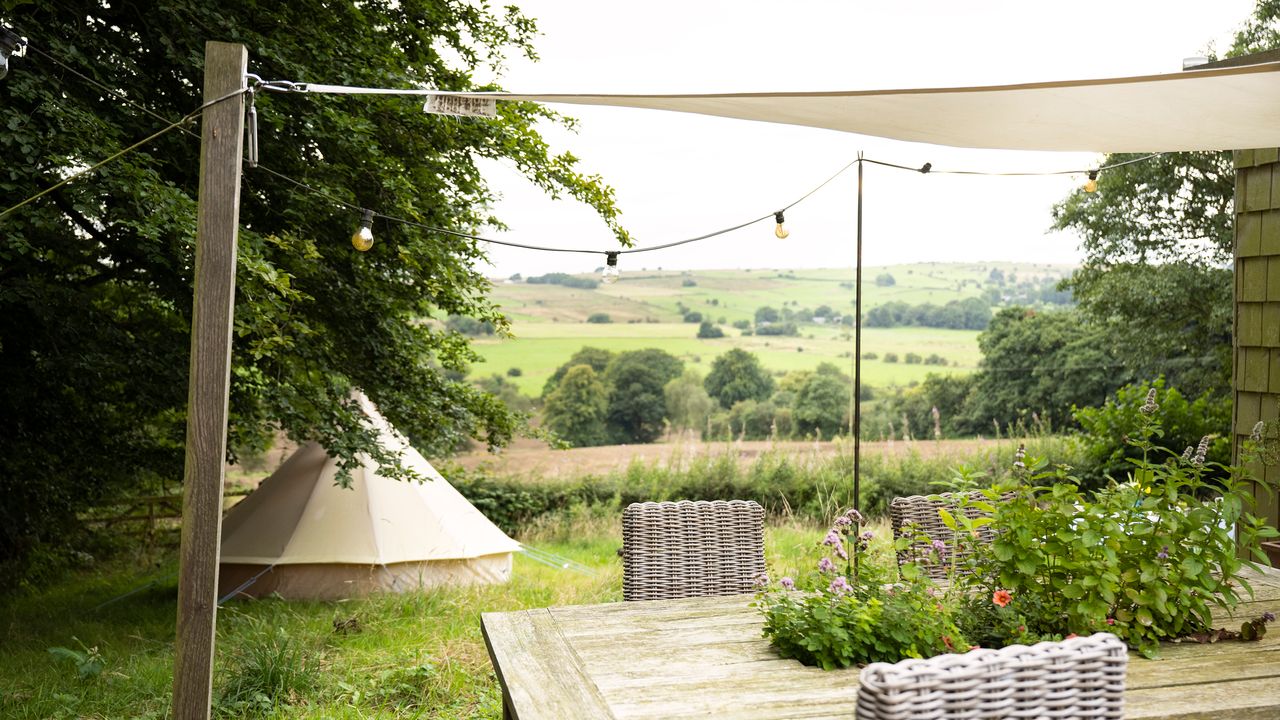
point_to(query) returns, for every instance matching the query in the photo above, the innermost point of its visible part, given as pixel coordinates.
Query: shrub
(514, 372)
(891, 357)
(869, 356)
(707, 331)
(599, 317)
(742, 324)
(688, 282)
(693, 317)
(912, 359)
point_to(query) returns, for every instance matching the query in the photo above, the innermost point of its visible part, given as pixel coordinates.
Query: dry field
(533, 459)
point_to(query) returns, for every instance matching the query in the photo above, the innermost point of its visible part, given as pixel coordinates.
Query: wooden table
(705, 657)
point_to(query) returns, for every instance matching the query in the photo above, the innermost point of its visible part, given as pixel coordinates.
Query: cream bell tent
(302, 536)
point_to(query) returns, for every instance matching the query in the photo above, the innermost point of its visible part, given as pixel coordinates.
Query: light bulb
(362, 240)
(610, 274)
(1091, 185)
(780, 231)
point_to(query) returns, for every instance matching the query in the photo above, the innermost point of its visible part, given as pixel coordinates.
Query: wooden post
(218, 217)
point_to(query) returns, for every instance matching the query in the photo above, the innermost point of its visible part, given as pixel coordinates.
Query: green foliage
(469, 326)
(841, 618)
(577, 409)
(506, 391)
(766, 314)
(599, 318)
(693, 317)
(885, 280)
(595, 358)
(271, 670)
(103, 265)
(687, 402)
(820, 405)
(1106, 430)
(1147, 559)
(88, 662)
(912, 358)
(1156, 236)
(564, 279)
(637, 401)
(891, 357)
(967, 314)
(708, 331)
(1044, 363)
(784, 329)
(737, 375)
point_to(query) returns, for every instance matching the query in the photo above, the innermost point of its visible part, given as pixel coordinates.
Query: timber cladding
(1257, 306)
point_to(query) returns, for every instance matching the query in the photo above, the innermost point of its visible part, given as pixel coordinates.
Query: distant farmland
(645, 309)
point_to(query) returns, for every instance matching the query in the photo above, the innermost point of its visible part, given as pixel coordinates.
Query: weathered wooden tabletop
(705, 657)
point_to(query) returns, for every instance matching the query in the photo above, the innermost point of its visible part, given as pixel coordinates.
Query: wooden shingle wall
(1257, 299)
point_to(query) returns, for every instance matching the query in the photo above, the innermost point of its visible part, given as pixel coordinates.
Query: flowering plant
(851, 607)
(1146, 559)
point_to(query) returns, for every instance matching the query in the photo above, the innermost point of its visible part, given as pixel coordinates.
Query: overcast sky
(679, 175)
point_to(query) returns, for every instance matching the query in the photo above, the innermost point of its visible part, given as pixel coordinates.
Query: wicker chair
(690, 549)
(923, 513)
(1080, 678)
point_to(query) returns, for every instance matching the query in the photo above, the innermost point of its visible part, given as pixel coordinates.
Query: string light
(1091, 185)
(780, 231)
(610, 274)
(362, 239)
(10, 44)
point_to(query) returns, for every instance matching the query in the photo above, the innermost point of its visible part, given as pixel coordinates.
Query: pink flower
(1111, 621)
(787, 583)
(839, 586)
(825, 565)
(1001, 597)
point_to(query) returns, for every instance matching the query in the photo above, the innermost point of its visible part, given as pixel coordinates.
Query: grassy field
(549, 321)
(538, 349)
(416, 655)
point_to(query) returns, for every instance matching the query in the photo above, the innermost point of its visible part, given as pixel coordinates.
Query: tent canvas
(304, 537)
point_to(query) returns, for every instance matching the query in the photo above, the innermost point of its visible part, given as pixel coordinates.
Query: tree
(709, 331)
(595, 358)
(1044, 363)
(96, 276)
(599, 318)
(687, 402)
(578, 408)
(1157, 236)
(738, 375)
(820, 405)
(766, 314)
(885, 280)
(637, 402)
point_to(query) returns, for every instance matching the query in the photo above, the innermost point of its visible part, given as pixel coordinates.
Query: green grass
(540, 348)
(416, 655)
(549, 321)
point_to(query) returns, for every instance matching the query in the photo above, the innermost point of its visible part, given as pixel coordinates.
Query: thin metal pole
(857, 365)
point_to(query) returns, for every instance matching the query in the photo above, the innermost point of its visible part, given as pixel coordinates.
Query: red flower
(1001, 597)
(946, 640)
(1111, 621)
(1022, 628)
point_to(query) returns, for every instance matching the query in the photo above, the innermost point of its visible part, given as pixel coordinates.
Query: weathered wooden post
(221, 145)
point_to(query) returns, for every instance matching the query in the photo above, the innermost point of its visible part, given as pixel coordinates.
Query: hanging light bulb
(1091, 185)
(610, 274)
(362, 240)
(10, 44)
(780, 231)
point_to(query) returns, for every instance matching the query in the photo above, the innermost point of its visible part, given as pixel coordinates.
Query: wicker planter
(1272, 549)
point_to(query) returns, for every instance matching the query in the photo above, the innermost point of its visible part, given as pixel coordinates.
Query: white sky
(679, 175)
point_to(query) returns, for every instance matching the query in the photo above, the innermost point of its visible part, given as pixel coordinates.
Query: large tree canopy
(96, 278)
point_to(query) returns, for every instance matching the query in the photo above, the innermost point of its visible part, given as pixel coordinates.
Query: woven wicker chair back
(923, 512)
(1081, 678)
(690, 549)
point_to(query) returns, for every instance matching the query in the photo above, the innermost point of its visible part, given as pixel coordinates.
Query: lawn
(416, 655)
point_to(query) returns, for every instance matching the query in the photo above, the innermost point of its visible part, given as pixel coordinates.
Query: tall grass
(807, 486)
